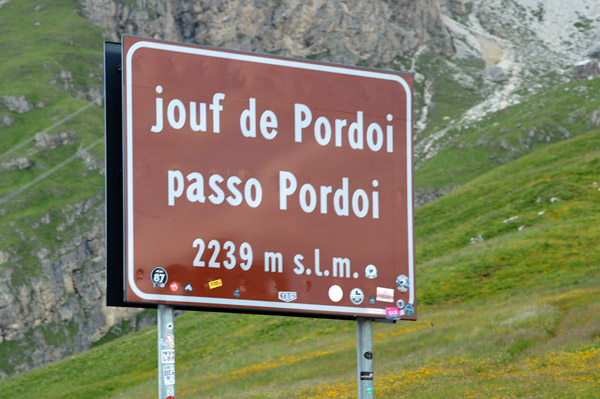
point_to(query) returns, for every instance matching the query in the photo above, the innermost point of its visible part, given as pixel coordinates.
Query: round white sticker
(357, 296)
(336, 293)
(371, 272)
(402, 283)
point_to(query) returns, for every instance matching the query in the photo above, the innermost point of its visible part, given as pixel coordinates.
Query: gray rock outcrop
(17, 104)
(18, 163)
(4, 256)
(350, 31)
(53, 140)
(586, 69)
(495, 74)
(6, 121)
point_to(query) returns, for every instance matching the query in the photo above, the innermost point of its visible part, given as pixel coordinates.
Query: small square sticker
(167, 356)
(215, 284)
(169, 374)
(385, 294)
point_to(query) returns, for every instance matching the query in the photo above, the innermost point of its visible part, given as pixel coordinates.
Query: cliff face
(345, 31)
(59, 309)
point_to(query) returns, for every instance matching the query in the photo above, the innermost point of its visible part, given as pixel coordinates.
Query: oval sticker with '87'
(159, 277)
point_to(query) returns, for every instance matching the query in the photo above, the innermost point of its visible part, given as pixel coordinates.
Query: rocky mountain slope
(523, 46)
(471, 58)
(351, 32)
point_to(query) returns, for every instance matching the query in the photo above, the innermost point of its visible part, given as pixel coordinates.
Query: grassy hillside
(466, 151)
(51, 153)
(52, 57)
(513, 315)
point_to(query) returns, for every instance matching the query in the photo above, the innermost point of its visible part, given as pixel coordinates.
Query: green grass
(553, 193)
(512, 316)
(511, 345)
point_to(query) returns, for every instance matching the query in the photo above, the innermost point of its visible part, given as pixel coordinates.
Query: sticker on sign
(286, 181)
(168, 374)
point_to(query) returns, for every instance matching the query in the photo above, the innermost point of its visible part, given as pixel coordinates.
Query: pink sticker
(392, 313)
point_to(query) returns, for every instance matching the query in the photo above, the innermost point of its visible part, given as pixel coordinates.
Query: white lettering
(232, 192)
(198, 123)
(343, 201)
(273, 262)
(180, 121)
(253, 184)
(287, 186)
(174, 186)
(177, 114)
(268, 122)
(355, 132)
(341, 267)
(390, 134)
(318, 271)
(360, 196)
(302, 118)
(308, 203)
(339, 124)
(248, 119)
(322, 131)
(268, 125)
(195, 191)
(375, 200)
(157, 128)
(299, 269)
(324, 191)
(236, 196)
(340, 199)
(216, 108)
(218, 195)
(374, 137)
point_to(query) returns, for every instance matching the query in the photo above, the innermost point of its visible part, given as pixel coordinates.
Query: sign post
(166, 352)
(364, 352)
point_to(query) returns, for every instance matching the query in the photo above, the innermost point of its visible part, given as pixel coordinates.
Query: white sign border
(288, 63)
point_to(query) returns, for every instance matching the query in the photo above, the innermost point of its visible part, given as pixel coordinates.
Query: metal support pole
(364, 360)
(166, 352)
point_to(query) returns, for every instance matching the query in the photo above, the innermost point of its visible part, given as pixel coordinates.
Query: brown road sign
(265, 184)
